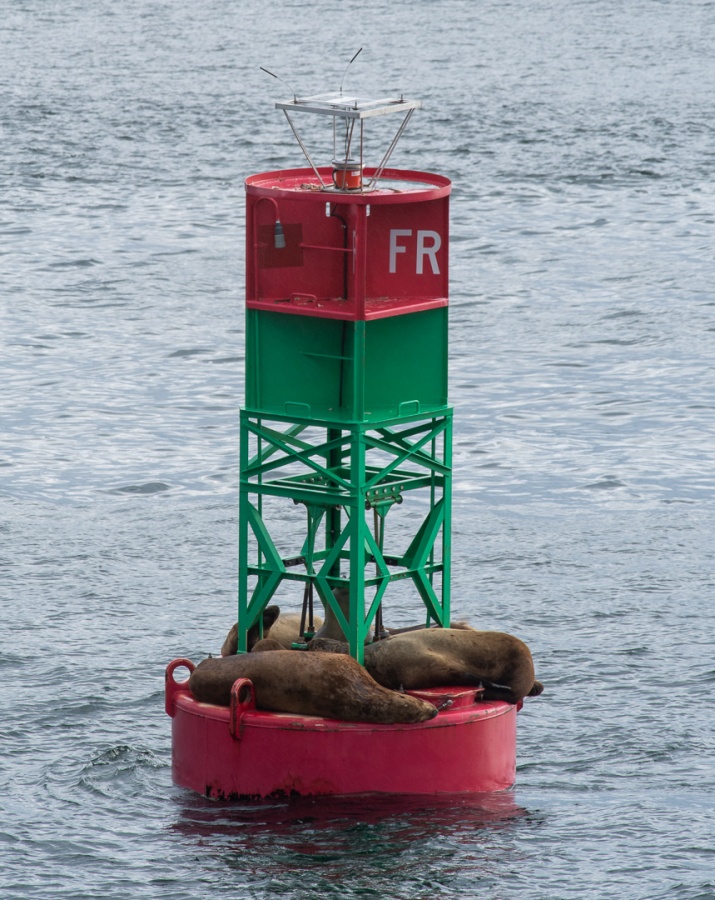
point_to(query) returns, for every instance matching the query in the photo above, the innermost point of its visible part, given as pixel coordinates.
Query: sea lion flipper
(497, 692)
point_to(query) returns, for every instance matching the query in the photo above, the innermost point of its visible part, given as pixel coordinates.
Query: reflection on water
(330, 841)
(201, 817)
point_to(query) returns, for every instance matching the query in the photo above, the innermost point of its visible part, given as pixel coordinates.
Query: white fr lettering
(428, 245)
(396, 248)
(428, 250)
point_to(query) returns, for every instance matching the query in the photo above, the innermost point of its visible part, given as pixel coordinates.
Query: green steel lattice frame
(337, 471)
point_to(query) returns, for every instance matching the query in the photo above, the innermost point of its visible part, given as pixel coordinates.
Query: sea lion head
(230, 644)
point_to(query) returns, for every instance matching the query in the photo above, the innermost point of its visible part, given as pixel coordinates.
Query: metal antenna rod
(388, 153)
(273, 75)
(303, 147)
(347, 67)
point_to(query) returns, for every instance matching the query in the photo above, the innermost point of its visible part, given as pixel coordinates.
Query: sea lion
(436, 657)
(283, 628)
(331, 629)
(268, 644)
(331, 685)
(230, 644)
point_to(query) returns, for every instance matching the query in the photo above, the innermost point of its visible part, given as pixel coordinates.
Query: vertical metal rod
(379, 530)
(432, 494)
(447, 524)
(259, 499)
(301, 631)
(356, 621)
(243, 540)
(332, 518)
(362, 150)
(388, 152)
(349, 129)
(307, 608)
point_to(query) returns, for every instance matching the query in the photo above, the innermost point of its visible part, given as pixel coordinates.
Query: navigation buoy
(347, 417)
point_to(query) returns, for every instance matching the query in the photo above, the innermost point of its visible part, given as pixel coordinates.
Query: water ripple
(582, 337)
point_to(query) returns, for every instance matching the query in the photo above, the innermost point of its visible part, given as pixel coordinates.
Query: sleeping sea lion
(283, 628)
(437, 657)
(268, 644)
(331, 685)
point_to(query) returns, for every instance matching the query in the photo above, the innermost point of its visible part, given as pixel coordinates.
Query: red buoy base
(239, 752)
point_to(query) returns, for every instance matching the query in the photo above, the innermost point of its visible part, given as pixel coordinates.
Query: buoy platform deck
(240, 752)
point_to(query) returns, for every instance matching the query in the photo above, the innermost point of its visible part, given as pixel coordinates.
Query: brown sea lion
(230, 644)
(284, 628)
(268, 644)
(436, 657)
(331, 629)
(311, 684)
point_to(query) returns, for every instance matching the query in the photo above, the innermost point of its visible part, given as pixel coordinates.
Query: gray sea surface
(580, 139)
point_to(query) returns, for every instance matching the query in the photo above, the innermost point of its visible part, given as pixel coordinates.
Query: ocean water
(580, 139)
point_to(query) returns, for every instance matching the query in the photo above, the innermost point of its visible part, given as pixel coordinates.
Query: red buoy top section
(315, 248)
